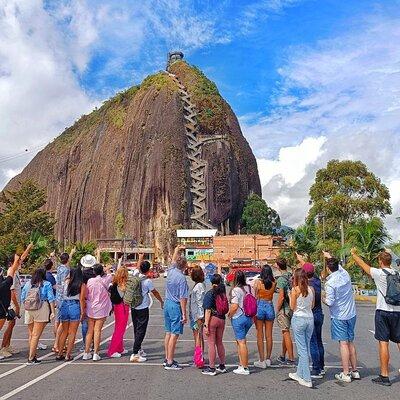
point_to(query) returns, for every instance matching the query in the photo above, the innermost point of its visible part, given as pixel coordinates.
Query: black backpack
(393, 288)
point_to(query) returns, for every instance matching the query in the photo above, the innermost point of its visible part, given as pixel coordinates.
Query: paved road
(118, 379)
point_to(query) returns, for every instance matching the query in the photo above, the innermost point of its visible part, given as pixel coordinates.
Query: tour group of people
(88, 294)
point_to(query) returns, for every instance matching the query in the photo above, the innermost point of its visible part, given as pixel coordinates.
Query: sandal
(68, 358)
(60, 358)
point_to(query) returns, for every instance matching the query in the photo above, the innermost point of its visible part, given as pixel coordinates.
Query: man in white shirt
(387, 316)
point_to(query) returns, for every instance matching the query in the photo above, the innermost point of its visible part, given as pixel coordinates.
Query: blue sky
(309, 80)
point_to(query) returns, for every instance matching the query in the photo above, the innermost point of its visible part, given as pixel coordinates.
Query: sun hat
(308, 268)
(88, 261)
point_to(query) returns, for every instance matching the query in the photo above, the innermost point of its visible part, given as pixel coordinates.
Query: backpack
(33, 301)
(393, 288)
(133, 296)
(221, 304)
(249, 304)
(198, 358)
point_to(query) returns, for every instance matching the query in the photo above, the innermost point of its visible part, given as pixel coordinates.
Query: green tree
(347, 190)
(258, 218)
(22, 220)
(305, 239)
(81, 249)
(119, 225)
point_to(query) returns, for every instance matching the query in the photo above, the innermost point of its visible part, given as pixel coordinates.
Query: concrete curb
(371, 299)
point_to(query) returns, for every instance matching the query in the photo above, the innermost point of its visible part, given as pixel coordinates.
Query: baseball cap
(308, 268)
(88, 261)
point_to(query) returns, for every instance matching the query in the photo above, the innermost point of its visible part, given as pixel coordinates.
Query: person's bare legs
(98, 326)
(37, 331)
(287, 339)
(64, 325)
(30, 330)
(72, 329)
(268, 337)
(171, 347)
(56, 345)
(89, 335)
(345, 356)
(260, 339)
(353, 356)
(243, 353)
(384, 357)
(8, 333)
(166, 343)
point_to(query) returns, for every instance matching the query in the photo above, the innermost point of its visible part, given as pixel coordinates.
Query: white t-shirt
(380, 281)
(17, 287)
(147, 287)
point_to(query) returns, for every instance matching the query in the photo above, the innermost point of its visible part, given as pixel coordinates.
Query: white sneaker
(4, 353)
(260, 364)
(116, 355)
(342, 377)
(241, 371)
(87, 356)
(96, 357)
(41, 346)
(302, 382)
(137, 358)
(2, 358)
(355, 375)
(268, 362)
(142, 353)
(294, 376)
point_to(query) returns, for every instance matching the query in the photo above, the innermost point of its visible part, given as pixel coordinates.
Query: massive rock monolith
(147, 161)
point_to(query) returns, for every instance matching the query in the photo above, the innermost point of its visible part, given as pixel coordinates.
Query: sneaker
(323, 372)
(87, 356)
(290, 363)
(4, 353)
(2, 357)
(142, 353)
(116, 355)
(137, 358)
(221, 368)
(124, 352)
(308, 384)
(241, 371)
(41, 346)
(281, 360)
(294, 376)
(173, 367)
(96, 357)
(268, 362)
(11, 350)
(316, 375)
(260, 364)
(382, 380)
(165, 362)
(33, 361)
(342, 377)
(355, 375)
(209, 371)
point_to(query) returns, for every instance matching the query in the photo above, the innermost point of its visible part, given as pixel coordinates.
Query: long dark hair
(218, 286)
(240, 279)
(98, 270)
(75, 281)
(267, 277)
(300, 279)
(38, 277)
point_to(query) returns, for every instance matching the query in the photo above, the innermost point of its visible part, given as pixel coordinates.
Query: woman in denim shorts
(70, 312)
(265, 288)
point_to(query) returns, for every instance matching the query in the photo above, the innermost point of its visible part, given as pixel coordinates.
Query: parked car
(251, 273)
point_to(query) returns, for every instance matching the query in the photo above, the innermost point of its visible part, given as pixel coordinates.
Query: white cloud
(346, 90)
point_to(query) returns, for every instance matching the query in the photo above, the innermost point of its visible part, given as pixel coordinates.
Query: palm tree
(305, 239)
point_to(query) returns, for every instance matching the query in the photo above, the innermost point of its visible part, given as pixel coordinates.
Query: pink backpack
(249, 304)
(198, 358)
(221, 304)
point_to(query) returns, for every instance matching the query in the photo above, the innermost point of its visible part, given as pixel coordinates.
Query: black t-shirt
(209, 304)
(5, 295)
(87, 273)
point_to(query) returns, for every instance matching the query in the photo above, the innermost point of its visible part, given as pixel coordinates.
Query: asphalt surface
(120, 379)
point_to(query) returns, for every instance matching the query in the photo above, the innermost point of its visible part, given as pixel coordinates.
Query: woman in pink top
(98, 308)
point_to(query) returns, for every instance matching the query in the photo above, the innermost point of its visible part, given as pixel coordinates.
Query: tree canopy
(22, 220)
(258, 217)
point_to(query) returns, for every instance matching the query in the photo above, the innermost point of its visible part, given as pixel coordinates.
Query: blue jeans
(303, 329)
(84, 330)
(316, 345)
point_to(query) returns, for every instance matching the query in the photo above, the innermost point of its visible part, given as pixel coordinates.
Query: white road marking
(11, 371)
(52, 371)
